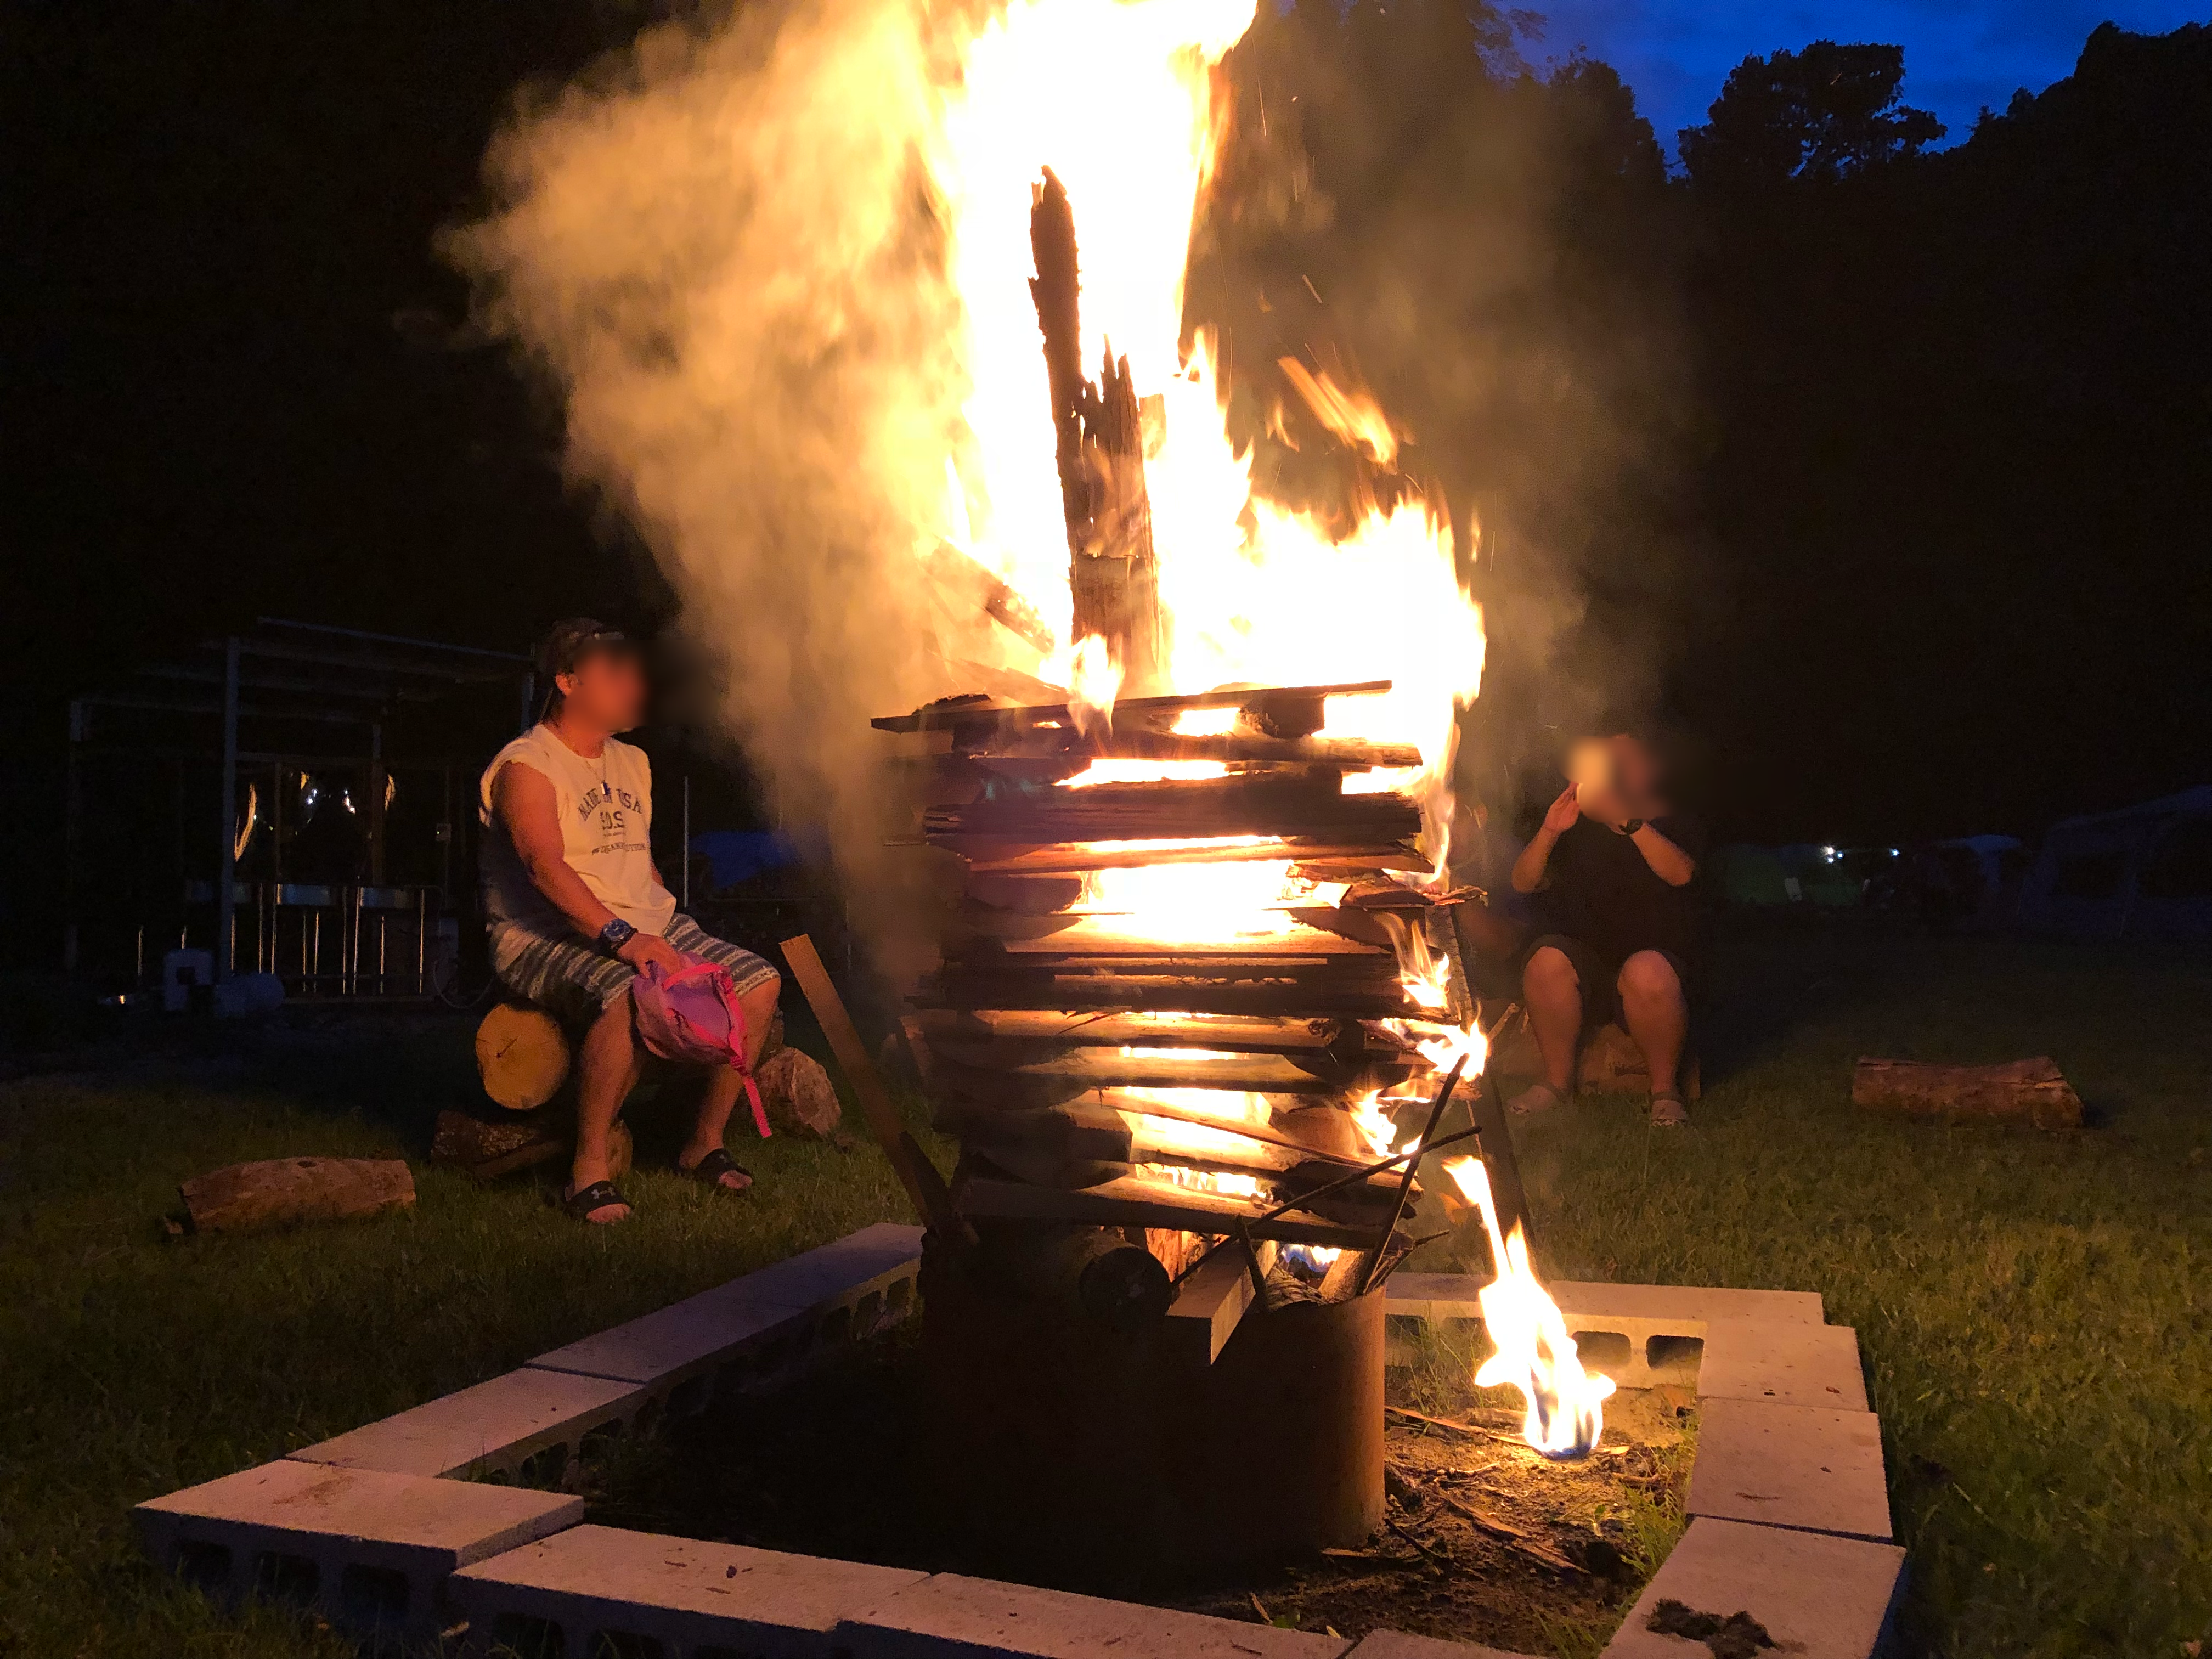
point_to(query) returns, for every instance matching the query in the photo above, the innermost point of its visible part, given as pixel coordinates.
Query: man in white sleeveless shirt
(577, 908)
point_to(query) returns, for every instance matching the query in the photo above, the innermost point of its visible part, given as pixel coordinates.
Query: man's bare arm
(1668, 862)
(1559, 818)
(523, 798)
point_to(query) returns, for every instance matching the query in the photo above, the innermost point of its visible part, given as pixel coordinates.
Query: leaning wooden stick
(1405, 1181)
(923, 1186)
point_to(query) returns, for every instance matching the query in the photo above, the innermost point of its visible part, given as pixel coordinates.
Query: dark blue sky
(1958, 54)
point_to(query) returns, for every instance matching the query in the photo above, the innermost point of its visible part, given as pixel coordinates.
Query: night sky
(1959, 55)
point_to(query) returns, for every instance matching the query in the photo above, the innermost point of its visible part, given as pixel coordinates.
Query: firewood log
(1112, 936)
(286, 1191)
(1081, 1069)
(1266, 990)
(1238, 805)
(1055, 1027)
(1126, 742)
(522, 1056)
(1322, 859)
(976, 715)
(1102, 1275)
(2030, 1090)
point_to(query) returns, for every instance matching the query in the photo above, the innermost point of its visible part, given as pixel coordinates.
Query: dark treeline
(1883, 473)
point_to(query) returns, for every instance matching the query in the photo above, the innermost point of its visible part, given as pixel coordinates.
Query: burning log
(1099, 1273)
(1249, 1036)
(1269, 986)
(1138, 743)
(2033, 1090)
(1078, 1071)
(1098, 440)
(1315, 859)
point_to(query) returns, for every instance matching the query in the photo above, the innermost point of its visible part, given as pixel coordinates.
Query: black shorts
(1599, 972)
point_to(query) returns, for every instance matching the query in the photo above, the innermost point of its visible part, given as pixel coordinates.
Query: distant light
(1892, 852)
(1829, 853)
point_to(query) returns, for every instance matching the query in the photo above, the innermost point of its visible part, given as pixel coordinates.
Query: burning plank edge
(956, 712)
(1062, 1026)
(1074, 1072)
(1054, 743)
(1180, 813)
(1103, 937)
(1134, 1201)
(988, 856)
(1273, 992)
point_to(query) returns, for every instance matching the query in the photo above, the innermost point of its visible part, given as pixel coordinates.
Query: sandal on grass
(711, 1168)
(586, 1201)
(1667, 1111)
(1537, 1098)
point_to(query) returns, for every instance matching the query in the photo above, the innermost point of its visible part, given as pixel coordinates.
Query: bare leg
(724, 1085)
(1657, 1013)
(1553, 993)
(606, 1072)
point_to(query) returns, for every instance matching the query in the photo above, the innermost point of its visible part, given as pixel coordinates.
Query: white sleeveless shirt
(605, 809)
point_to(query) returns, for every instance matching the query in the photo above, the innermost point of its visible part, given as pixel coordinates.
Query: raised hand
(1561, 815)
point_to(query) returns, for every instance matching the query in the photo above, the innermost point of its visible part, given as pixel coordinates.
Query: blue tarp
(737, 856)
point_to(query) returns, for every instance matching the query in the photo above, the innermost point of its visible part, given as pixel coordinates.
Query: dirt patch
(1485, 1539)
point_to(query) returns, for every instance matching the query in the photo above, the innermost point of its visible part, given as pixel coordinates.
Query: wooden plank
(1139, 1201)
(1071, 858)
(956, 711)
(1106, 1068)
(1065, 742)
(1183, 809)
(1255, 994)
(1111, 936)
(1245, 1035)
(925, 1187)
(1212, 1302)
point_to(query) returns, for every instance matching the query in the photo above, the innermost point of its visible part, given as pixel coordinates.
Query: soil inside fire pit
(1485, 1539)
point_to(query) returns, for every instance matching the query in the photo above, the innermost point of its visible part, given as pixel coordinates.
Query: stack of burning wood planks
(1115, 1060)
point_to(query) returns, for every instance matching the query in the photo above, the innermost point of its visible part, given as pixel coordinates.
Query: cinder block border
(1754, 1353)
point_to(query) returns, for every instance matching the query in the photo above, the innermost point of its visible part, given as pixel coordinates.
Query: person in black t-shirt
(1614, 863)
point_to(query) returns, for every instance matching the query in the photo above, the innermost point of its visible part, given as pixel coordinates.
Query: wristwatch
(616, 934)
(1631, 827)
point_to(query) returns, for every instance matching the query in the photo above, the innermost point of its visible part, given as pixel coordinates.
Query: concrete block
(870, 1259)
(1396, 1644)
(363, 1547)
(494, 1427)
(599, 1585)
(1819, 1597)
(1790, 1466)
(1639, 1335)
(950, 1617)
(1789, 1364)
(1687, 1307)
(679, 1341)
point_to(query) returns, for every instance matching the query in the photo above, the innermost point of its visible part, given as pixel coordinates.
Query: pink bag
(692, 1015)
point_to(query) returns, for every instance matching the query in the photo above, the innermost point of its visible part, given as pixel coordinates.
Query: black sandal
(597, 1196)
(711, 1168)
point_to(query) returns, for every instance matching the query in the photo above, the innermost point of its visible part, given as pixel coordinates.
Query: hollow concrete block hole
(521, 1636)
(867, 1313)
(687, 1399)
(543, 1469)
(1675, 1358)
(648, 1417)
(836, 1325)
(598, 1440)
(625, 1644)
(292, 1579)
(205, 1566)
(898, 1294)
(374, 1596)
(1605, 1350)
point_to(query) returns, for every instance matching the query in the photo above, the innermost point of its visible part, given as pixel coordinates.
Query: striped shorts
(574, 981)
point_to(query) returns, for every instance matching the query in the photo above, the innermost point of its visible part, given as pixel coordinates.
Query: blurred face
(1636, 772)
(606, 691)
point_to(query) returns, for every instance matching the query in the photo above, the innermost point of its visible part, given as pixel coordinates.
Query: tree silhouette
(1822, 113)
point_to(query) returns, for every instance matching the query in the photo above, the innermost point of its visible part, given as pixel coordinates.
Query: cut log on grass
(2030, 1091)
(283, 1191)
(522, 1056)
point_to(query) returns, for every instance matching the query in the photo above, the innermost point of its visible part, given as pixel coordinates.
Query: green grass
(131, 1365)
(2035, 1310)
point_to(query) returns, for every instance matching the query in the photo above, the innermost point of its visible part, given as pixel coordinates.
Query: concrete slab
(364, 1548)
(950, 1617)
(599, 1585)
(679, 1340)
(1790, 1466)
(1786, 1363)
(492, 1427)
(1396, 1644)
(1819, 1597)
(867, 1259)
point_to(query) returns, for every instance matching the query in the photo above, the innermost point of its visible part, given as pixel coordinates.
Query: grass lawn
(2036, 1311)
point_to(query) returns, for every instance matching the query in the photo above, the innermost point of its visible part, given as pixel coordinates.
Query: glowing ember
(1564, 1413)
(1145, 771)
(1191, 904)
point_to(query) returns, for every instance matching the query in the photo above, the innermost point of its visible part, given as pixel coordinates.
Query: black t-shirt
(1602, 892)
